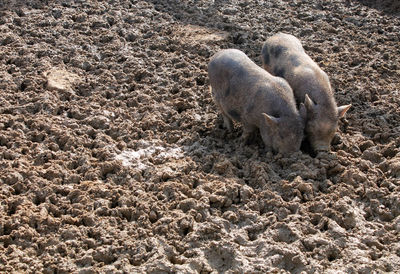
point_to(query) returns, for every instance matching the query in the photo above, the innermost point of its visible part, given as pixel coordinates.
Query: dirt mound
(113, 157)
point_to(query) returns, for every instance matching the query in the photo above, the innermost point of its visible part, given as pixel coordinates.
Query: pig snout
(320, 134)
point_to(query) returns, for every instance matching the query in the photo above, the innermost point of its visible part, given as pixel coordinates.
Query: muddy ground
(113, 157)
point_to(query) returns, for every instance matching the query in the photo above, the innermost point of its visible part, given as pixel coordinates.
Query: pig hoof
(248, 138)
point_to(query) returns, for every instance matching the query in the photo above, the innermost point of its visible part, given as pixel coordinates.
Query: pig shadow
(219, 133)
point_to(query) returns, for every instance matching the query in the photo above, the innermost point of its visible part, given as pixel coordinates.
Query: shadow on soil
(391, 7)
(206, 15)
(16, 5)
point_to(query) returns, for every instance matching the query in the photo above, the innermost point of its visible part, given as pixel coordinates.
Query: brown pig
(284, 56)
(248, 94)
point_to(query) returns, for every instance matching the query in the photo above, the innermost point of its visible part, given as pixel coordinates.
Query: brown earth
(113, 157)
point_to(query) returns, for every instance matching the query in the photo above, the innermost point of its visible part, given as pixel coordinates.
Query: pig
(246, 93)
(283, 55)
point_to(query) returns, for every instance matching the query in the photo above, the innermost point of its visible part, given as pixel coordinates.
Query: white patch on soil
(139, 158)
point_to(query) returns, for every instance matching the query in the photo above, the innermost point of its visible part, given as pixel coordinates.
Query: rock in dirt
(60, 79)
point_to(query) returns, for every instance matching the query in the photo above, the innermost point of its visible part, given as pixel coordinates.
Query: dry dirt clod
(60, 79)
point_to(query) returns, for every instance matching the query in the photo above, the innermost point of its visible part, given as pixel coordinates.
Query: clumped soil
(113, 157)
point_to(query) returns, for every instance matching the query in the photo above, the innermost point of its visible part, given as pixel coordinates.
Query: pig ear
(342, 110)
(270, 120)
(310, 106)
(303, 112)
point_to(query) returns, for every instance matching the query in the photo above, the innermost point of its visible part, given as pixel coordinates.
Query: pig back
(231, 67)
(238, 81)
(283, 55)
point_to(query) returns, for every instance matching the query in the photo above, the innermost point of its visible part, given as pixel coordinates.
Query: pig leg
(248, 134)
(227, 122)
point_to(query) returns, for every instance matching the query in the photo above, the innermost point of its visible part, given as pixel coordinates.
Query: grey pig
(284, 56)
(250, 95)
